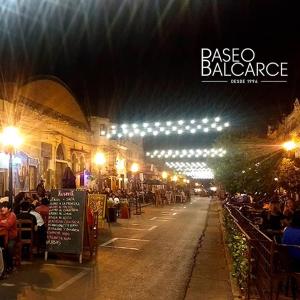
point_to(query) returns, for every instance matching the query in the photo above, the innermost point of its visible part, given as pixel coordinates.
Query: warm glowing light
(134, 167)
(100, 159)
(120, 165)
(174, 178)
(276, 179)
(289, 145)
(10, 137)
(164, 175)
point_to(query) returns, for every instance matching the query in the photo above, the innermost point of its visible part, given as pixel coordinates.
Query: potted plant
(111, 211)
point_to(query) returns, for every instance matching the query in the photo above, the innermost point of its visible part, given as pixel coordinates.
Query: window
(102, 130)
(60, 152)
(46, 150)
(45, 164)
(74, 163)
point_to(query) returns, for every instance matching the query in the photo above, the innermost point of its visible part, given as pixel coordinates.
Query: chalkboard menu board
(97, 203)
(66, 221)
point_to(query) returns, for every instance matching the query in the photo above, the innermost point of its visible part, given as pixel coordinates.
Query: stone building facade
(58, 134)
(289, 127)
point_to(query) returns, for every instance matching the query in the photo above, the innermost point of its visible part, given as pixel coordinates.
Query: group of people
(24, 208)
(278, 218)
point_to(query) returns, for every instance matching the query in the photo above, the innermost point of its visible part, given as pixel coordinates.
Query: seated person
(35, 200)
(272, 217)
(25, 214)
(41, 228)
(43, 210)
(8, 222)
(288, 211)
(19, 198)
(44, 207)
(291, 236)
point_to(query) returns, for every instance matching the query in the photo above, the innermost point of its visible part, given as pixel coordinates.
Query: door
(60, 168)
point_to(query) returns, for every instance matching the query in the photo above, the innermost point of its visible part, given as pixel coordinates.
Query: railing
(260, 255)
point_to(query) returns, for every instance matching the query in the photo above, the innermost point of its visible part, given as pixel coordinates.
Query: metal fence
(260, 256)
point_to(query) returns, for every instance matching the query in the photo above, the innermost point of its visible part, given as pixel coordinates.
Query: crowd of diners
(278, 216)
(35, 207)
(154, 196)
(25, 207)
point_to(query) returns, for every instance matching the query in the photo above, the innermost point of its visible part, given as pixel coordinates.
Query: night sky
(139, 60)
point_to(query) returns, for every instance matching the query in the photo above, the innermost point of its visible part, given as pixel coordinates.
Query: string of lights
(195, 170)
(200, 174)
(185, 165)
(189, 153)
(167, 128)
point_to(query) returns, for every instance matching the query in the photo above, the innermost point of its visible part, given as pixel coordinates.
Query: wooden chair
(26, 235)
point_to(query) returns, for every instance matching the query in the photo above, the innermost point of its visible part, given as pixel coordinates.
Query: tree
(288, 175)
(249, 165)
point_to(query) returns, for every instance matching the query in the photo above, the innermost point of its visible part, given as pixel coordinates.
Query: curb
(234, 287)
(196, 251)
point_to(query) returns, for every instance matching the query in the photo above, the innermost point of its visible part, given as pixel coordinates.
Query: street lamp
(289, 145)
(164, 175)
(99, 160)
(134, 169)
(11, 140)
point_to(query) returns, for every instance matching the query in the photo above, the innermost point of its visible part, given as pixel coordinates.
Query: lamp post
(134, 169)
(120, 166)
(174, 180)
(11, 140)
(276, 184)
(99, 160)
(164, 176)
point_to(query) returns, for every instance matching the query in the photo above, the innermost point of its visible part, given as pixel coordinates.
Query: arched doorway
(82, 163)
(61, 164)
(74, 163)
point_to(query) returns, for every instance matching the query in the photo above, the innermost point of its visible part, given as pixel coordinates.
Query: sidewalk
(210, 276)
